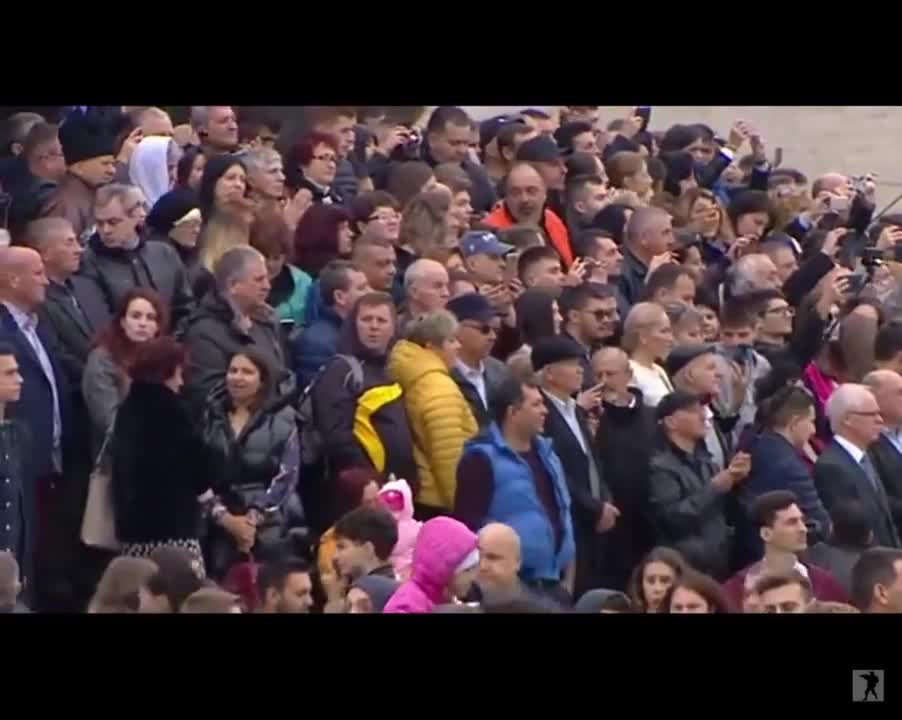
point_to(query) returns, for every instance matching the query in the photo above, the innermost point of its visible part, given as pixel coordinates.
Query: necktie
(871, 472)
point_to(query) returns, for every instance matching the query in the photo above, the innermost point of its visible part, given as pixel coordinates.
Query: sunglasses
(484, 328)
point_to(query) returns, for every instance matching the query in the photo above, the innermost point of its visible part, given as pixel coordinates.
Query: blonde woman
(221, 233)
(425, 226)
(648, 338)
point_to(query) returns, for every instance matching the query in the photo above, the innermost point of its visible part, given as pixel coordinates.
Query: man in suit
(845, 471)
(886, 453)
(23, 287)
(560, 362)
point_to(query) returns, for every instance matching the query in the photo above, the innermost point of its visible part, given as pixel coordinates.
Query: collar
(566, 406)
(856, 452)
(22, 318)
(469, 372)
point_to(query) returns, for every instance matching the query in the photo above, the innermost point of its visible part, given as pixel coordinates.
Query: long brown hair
(113, 337)
(701, 584)
(666, 555)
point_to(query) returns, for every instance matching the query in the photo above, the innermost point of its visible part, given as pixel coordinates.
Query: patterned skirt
(191, 545)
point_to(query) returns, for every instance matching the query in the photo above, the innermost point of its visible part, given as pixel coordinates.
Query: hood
(380, 589)
(349, 342)
(149, 167)
(395, 493)
(442, 545)
(409, 362)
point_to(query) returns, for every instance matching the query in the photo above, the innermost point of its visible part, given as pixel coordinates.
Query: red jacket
(552, 226)
(825, 586)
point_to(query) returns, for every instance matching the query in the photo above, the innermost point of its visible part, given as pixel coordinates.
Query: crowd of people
(540, 363)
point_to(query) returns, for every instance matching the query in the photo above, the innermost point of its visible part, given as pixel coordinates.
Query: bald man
(426, 286)
(23, 287)
(499, 560)
(886, 453)
(625, 437)
(155, 121)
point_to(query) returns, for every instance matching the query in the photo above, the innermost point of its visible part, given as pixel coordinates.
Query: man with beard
(590, 317)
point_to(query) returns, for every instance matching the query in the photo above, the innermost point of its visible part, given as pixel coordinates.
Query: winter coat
(313, 347)
(551, 226)
(336, 401)
(626, 439)
(631, 280)
(190, 257)
(103, 387)
(515, 502)
(73, 199)
(439, 416)
(289, 295)
(213, 337)
(495, 373)
(397, 497)
(687, 511)
(443, 544)
(159, 467)
(152, 265)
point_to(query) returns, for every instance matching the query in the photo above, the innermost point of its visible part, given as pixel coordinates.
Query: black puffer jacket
(335, 403)
(152, 265)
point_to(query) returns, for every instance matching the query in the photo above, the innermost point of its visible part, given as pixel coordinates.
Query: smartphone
(511, 261)
(644, 112)
(778, 157)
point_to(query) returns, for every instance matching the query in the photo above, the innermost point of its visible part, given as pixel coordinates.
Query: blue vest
(516, 503)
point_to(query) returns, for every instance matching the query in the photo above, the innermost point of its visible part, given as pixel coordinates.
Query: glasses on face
(384, 216)
(326, 158)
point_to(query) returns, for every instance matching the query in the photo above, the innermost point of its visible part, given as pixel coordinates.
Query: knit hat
(171, 208)
(558, 348)
(471, 306)
(85, 138)
(674, 402)
(539, 149)
(682, 355)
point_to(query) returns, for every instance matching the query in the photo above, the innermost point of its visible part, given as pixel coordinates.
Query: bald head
(526, 194)
(833, 182)
(23, 281)
(499, 558)
(649, 232)
(426, 284)
(154, 121)
(886, 386)
(611, 366)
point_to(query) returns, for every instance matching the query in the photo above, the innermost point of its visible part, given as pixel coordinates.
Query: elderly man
(845, 470)
(426, 289)
(649, 237)
(217, 128)
(118, 259)
(753, 273)
(265, 176)
(233, 317)
(886, 452)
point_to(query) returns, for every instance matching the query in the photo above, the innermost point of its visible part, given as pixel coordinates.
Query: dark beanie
(171, 208)
(85, 138)
(216, 167)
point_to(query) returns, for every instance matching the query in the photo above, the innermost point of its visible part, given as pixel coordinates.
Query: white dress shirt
(567, 410)
(856, 452)
(476, 378)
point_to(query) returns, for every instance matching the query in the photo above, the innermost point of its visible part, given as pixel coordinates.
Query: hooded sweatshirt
(443, 544)
(397, 497)
(440, 418)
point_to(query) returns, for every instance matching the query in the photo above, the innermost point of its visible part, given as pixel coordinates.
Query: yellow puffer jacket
(440, 419)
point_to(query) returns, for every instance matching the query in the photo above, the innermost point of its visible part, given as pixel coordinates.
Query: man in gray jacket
(117, 258)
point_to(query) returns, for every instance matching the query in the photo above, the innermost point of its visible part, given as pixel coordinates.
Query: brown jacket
(73, 200)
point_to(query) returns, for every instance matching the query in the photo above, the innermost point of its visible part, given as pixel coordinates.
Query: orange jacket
(552, 226)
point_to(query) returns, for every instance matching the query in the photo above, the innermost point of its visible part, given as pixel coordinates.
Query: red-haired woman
(311, 165)
(142, 315)
(160, 466)
(322, 235)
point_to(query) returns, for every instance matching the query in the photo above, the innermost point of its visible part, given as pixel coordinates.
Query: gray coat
(687, 511)
(152, 265)
(103, 389)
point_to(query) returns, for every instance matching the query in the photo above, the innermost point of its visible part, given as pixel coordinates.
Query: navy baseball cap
(481, 242)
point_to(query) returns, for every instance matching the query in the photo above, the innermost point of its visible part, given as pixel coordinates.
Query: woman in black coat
(160, 468)
(253, 439)
(341, 401)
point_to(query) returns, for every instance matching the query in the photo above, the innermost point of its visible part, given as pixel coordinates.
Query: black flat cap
(682, 355)
(554, 349)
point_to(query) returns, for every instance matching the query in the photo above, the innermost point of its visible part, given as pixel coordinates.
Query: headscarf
(378, 588)
(149, 167)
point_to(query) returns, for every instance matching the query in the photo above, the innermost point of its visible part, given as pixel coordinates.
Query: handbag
(98, 524)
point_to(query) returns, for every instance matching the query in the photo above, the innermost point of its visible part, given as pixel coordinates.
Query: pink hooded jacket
(397, 497)
(442, 545)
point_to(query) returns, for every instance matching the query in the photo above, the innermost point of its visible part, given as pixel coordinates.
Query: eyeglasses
(384, 216)
(326, 158)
